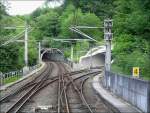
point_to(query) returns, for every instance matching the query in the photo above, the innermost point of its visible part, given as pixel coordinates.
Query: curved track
(70, 86)
(63, 96)
(15, 108)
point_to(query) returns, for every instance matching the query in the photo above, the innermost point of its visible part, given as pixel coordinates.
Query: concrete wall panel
(94, 61)
(133, 90)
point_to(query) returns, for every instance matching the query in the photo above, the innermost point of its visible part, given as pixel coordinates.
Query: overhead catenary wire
(82, 33)
(15, 38)
(88, 27)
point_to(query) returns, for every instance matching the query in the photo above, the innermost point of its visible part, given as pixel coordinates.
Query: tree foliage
(75, 18)
(131, 31)
(8, 54)
(131, 44)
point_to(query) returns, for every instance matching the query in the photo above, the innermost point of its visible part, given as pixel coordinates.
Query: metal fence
(133, 90)
(5, 76)
(19, 73)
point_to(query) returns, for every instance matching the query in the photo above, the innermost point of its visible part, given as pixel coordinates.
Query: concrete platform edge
(109, 103)
(23, 78)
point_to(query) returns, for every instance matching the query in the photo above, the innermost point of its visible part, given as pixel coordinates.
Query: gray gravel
(47, 97)
(92, 98)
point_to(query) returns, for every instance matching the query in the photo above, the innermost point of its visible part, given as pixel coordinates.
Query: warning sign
(136, 72)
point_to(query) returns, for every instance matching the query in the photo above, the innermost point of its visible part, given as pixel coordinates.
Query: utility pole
(91, 57)
(26, 45)
(39, 52)
(108, 37)
(72, 52)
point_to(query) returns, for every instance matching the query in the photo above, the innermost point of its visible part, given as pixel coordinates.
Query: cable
(82, 33)
(11, 40)
(15, 38)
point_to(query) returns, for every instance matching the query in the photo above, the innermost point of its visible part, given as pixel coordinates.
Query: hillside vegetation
(131, 30)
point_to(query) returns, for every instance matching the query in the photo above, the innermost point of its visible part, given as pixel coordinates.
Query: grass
(11, 79)
(118, 70)
(146, 78)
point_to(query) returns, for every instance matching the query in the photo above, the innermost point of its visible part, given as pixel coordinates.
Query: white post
(108, 60)
(26, 45)
(72, 52)
(108, 56)
(91, 59)
(77, 56)
(1, 78)
(39, 52)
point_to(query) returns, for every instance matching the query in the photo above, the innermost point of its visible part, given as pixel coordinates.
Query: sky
(21, 7)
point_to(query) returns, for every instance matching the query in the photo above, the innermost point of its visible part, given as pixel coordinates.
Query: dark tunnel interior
(48, 56)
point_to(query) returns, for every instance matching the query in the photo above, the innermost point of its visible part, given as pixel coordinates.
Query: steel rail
(5, 98)
(65, 94)
(27, 85)
(93, 73)
(59, 99)
(82, 94)
(65, 88)
(37, 87)
(58, 103)
(60, 87)
(15, 108)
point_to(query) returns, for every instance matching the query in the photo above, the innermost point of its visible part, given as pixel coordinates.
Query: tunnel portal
(52, 55)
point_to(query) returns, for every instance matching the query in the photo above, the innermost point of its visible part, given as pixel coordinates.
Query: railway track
(66, 82)
(15, 108)
(35, 81)
(32, 88)
(24, 87)
(82, 95)
(63, 96)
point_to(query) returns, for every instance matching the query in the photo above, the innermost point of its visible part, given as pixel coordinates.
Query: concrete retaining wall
(135, 91)
(94, 61)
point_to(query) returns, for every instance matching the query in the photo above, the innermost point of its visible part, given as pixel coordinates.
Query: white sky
(21, 7)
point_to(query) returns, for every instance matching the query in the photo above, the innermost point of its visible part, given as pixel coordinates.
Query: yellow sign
(136, 71)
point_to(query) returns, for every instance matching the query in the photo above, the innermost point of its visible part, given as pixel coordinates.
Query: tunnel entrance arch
(52, 54)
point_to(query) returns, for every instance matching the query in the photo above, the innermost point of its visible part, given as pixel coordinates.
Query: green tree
(78, 18)
(102, 8)
(47, 25)
(131, 41)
